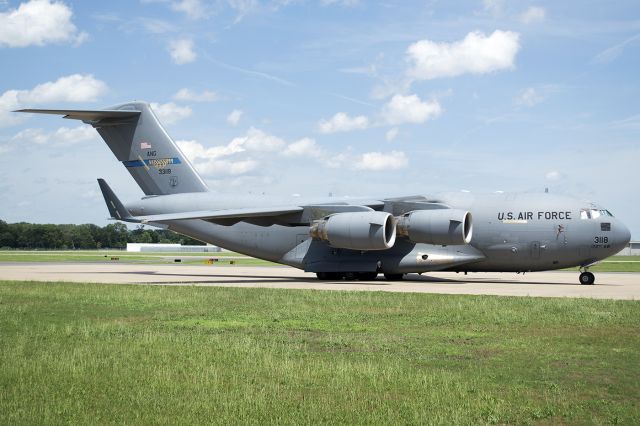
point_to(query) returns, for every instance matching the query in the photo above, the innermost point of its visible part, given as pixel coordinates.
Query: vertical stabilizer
(147, 151)
(144, 147)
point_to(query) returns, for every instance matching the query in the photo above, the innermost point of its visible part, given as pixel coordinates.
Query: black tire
(587, 278)
(393, 277)
(323, 276)
(330, 276)
(351, 276)
(367, 276)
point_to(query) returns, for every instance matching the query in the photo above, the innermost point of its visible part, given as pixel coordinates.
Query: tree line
(88, 236)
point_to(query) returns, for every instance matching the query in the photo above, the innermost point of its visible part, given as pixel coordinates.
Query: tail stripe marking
(155, 162)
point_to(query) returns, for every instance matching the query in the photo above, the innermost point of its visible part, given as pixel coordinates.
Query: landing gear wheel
(393, 277)
(326, 276)
(367, 276)
(350, 276)
(587, 278)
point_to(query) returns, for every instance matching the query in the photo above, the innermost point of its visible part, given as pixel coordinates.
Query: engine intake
(441, 227)
(356, 230)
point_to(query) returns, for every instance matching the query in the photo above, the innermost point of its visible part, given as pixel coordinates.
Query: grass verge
(110, 256)
(80, 353)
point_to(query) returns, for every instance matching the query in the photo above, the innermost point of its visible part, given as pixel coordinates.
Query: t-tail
(144, 147)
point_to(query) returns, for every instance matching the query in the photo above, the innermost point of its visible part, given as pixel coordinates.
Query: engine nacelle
(356, 230)
(441, 227)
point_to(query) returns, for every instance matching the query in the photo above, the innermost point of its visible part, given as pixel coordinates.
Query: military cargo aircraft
(355, 238)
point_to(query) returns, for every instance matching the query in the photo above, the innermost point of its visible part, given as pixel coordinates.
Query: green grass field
(110, 256)
(114, 354)
(617, 264)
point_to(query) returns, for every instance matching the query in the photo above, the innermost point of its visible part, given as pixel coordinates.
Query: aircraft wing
(264, 216)
(213, 215)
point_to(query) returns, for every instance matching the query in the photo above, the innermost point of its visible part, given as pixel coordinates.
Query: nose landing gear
(586, 277)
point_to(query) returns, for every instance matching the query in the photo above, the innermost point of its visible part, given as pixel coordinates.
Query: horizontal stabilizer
(85, 114)
(116, 209)
(222, 214)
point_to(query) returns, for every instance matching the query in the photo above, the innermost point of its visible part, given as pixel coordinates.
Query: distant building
(171, 248)
(632, 249)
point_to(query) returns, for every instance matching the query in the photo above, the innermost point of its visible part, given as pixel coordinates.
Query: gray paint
(511, 232)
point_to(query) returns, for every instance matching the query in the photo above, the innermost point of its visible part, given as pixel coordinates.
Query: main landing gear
(349, 276)
(586, 277)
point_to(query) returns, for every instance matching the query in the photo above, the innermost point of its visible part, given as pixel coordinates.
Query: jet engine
(441, 227)
(356, 230)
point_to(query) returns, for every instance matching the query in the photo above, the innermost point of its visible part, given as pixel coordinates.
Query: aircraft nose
(623, 235)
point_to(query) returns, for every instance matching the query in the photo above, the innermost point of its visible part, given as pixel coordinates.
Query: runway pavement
(539, 284)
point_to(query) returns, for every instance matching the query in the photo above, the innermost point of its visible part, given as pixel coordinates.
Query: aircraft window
(594, 213)
(605, 226)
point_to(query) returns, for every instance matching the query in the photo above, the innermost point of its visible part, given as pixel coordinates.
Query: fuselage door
(535, 249)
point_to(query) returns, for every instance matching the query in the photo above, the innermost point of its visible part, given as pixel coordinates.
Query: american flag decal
(145, 145)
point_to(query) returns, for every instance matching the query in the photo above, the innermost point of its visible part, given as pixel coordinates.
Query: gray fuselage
(511, 232)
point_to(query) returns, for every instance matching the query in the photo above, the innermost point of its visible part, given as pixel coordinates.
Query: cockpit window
(594, 213)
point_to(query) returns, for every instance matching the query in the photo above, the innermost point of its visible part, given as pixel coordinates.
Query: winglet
(116, 208)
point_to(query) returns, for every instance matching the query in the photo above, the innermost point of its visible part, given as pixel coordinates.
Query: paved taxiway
(540, 284)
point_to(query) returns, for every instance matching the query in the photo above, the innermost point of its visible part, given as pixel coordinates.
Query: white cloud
(554, 175)
(75, 135)
(305, 147)
(391, 134)
(378, 161)
(37, 136)
(213, 161)
(155, 26)
(529, 97)
(72, 88)
(63, 136)
(181, 51)
(233, 168)
(533, 14)
(410, 109)
(534, 95)
(257, 140)
(475, 54)
(194, 9)
(243, 8)
(611, 53)
(341, 122)
(38, 22)
(234, 117)
(493, 7)
(632, 122)
(169, 112)
(347, 3)
(188, 95)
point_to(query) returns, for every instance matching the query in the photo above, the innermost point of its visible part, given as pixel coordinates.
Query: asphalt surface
(609, 285)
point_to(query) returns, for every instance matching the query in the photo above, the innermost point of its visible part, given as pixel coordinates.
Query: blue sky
(315, 97)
